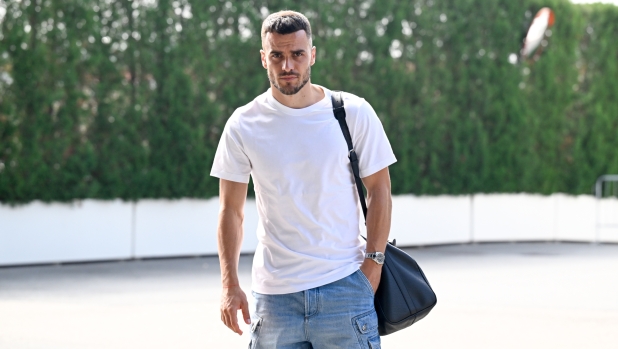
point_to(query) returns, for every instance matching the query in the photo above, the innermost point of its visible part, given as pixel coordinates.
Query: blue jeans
(337, 315)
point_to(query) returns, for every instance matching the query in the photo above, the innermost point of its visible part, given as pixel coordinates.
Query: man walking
(313, 278)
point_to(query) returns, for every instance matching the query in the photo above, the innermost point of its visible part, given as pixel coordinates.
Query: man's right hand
(234, 299)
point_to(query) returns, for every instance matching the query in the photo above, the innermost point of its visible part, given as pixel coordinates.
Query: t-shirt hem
(373, 169)
(230, 176)
(306, 286)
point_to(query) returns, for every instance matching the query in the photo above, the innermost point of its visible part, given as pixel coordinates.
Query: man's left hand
(373, 272)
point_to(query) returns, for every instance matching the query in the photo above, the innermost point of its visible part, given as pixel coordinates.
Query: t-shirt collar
(318, 106)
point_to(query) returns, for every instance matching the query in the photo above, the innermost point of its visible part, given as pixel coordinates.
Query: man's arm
(379, 207)
(232, 197)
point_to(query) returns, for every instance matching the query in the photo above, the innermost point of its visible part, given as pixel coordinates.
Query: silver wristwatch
(377, 257)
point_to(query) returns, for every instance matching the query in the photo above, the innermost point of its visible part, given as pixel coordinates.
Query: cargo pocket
(374, 342)
(366, 327)
(256, 325)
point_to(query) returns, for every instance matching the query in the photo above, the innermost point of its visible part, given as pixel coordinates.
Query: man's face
(288, 59)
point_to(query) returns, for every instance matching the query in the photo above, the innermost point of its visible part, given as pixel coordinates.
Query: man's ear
(313, 55)
(263, 58)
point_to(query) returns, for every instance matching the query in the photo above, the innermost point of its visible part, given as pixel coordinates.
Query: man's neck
(307, 96)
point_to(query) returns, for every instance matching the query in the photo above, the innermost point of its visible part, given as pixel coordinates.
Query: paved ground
(541, 295)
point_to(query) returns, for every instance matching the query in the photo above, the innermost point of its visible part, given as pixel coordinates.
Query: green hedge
(122, 99)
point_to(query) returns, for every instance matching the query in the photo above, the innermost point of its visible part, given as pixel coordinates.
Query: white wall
(175, 228)
(426, 220)
(49, 233)
(184, 227)
(607, 210)
(97, 230)
(513, 217)
(575, 218)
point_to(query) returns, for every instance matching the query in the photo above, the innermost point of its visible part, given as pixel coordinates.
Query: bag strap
(339, 112)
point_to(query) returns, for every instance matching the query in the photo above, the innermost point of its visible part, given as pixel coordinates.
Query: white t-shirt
(308, 229)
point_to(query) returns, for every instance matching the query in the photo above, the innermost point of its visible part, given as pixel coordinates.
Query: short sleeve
(370, 142)
(231, 162)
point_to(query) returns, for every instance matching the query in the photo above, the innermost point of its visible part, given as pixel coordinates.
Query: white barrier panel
(513, 217)
(92, 230)
(175, 227)
(184, 227)
(86, 230)
(608, 220)
(426, 220)
(575, 217)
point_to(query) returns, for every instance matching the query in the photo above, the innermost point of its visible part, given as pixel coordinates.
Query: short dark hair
(286, 22)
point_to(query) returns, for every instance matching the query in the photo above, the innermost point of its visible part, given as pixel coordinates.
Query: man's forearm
(379, 208)
(229, 237)
(229, 230)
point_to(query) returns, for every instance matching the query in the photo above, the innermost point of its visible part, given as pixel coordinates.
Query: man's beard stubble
(290, 90)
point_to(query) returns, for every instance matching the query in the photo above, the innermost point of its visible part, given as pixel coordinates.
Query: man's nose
(287, 64)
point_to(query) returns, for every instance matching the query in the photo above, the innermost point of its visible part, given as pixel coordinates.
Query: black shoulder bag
(404, 295)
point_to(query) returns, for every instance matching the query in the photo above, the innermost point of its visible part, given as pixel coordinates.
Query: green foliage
(127, 99)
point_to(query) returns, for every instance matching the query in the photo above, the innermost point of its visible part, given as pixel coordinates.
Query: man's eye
(276, 55)
(298, 54)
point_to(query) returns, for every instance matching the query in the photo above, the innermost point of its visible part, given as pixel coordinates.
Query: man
(312, 284)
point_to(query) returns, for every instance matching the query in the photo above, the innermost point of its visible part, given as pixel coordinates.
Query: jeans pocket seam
(366, 282)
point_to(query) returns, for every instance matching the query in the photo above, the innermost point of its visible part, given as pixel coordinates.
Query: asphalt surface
(524, 295)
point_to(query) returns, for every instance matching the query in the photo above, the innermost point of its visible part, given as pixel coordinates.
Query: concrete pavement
(524, 295)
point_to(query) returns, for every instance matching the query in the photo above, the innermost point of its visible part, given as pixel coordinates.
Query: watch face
(379, 258)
